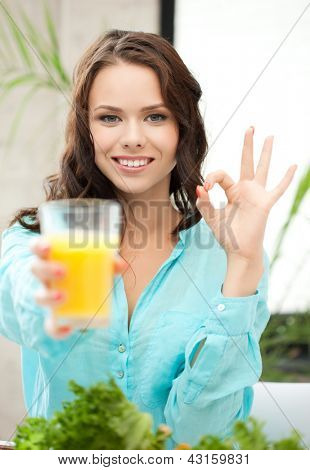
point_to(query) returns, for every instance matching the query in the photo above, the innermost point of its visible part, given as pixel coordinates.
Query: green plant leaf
(51, 28)
(48, 52)
(300, 194)
(19, 38)
(7, 51)
(20, 112)
(250, 435)
(22, 79)
(288, 443)
(101, 417)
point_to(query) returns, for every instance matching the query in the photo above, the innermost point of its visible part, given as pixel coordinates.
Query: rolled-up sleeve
(21, 318)
(213, 392)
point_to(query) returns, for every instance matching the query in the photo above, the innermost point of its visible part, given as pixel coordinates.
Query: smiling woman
(183, 342)
(133, 136)
(158, 117)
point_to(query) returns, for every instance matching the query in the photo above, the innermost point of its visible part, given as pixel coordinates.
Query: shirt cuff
(231, 316)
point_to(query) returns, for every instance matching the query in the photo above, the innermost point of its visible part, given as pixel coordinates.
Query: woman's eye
(102, 118)
(160, 115)
(107, 118)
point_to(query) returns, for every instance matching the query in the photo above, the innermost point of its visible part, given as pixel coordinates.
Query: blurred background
(252, 61)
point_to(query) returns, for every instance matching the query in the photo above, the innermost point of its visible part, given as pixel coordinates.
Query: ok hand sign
(240, 226)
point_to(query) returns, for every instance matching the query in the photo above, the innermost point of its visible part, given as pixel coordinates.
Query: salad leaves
(102, 418)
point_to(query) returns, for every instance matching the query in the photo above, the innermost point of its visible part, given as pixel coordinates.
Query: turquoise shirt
(152, 362)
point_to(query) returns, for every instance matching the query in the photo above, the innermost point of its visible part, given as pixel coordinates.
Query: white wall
(227, 44)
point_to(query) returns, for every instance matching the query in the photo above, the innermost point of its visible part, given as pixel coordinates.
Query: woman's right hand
(47, 271)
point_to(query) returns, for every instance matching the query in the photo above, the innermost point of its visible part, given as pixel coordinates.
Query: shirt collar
(184, 235)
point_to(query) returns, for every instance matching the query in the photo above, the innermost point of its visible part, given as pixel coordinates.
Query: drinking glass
(84, 236)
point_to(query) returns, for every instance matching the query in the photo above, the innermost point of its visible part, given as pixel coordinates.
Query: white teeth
(134, 163)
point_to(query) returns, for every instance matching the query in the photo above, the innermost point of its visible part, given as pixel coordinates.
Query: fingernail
(198, 191)
(206, 185)
(44, 247)
(64, 329)
(57, 296)
(253, 129)
(59, 272)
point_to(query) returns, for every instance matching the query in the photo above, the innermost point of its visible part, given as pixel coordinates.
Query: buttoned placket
(123, 304)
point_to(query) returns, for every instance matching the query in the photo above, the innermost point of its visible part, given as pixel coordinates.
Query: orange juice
(88, 282)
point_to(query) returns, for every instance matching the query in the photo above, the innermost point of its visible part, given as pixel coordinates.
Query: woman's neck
(151, 223)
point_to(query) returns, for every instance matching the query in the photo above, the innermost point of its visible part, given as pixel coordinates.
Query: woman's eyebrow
(146, 108)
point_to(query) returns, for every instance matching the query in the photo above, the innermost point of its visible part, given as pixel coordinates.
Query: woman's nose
(133, 137)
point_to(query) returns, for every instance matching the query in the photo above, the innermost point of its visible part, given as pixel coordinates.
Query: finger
(264, 162)
(120, 265)
(247, 163)
(56, 331)
(47, 270)
(204, 205)
(277, 192)
(40, 247)
(49, 297)
(220, 177)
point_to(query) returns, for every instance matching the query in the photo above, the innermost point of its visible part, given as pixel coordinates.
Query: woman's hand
(47, 271)
(239, 227)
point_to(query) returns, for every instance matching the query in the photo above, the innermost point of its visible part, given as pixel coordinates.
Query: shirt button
(221, 307)
(120, 374)
(122, 348)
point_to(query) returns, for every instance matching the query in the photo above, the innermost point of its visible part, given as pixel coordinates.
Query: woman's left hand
(239, 227)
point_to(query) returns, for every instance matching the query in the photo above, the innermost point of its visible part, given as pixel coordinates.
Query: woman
(190, 291)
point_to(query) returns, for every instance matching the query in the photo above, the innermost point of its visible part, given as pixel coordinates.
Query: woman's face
(131, 130)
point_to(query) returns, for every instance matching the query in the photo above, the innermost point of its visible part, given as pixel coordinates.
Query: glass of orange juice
(84, 236)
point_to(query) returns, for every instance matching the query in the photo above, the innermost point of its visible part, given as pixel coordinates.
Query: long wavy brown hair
(79, 176)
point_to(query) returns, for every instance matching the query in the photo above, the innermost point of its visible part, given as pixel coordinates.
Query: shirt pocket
(165, 355)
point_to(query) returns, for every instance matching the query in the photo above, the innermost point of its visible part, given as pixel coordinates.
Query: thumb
(56, 331)
(120, 265)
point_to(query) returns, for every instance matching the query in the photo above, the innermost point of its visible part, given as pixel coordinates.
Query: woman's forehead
(121, 84)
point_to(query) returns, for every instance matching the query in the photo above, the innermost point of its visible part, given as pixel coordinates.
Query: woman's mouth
(132, 165)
